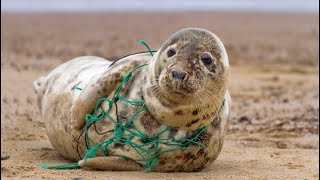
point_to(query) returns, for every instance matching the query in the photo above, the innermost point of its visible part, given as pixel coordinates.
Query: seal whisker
(208, 97)
(219, 90)
(198, 99)
(204, 110)
(212, 102)
(214, 96)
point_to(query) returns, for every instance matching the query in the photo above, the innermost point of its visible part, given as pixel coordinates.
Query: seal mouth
(178, 88)
(180, 93)
(183, 89)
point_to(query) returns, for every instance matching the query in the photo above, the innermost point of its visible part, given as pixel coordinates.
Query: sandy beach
(274, 86)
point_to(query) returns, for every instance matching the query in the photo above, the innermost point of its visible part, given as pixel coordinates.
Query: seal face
(184, 87)
(189, 71)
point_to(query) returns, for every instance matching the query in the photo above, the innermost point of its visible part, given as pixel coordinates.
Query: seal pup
(184, 86)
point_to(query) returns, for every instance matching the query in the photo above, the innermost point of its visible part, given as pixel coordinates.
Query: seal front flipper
(111, 163)
(86, 101)
(102, 87)
(38, 87)
(38, 84)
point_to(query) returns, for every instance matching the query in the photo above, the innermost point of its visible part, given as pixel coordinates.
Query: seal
(184, 86)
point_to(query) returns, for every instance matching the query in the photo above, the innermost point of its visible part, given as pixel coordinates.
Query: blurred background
(274, 83)
(165, 5)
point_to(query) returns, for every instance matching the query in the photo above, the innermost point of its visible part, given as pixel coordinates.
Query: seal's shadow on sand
(46, 154)
(49, 155)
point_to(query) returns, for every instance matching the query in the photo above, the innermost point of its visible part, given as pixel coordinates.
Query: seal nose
(176, 74)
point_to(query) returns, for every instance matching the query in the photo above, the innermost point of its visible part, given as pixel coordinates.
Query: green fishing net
(123, 133)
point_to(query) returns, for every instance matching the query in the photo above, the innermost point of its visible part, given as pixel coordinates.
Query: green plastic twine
(144, 43)
(148, 150)
(63, 166)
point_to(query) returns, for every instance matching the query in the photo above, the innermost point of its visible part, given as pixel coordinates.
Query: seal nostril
(178, 74)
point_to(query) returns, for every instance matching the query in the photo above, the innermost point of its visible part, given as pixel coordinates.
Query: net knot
(118, 129)
(115, 99)
(146, 139)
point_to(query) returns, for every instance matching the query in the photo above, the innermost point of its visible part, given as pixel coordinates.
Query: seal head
(187, 79)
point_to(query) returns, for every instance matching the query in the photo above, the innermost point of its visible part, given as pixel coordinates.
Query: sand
(274, 85)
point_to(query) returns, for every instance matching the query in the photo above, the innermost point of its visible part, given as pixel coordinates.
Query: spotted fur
(185, 105)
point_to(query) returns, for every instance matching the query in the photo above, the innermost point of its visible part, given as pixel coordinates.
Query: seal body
(184, 87)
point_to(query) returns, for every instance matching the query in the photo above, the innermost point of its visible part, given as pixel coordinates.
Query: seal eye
(171, 52)
(206, 59)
